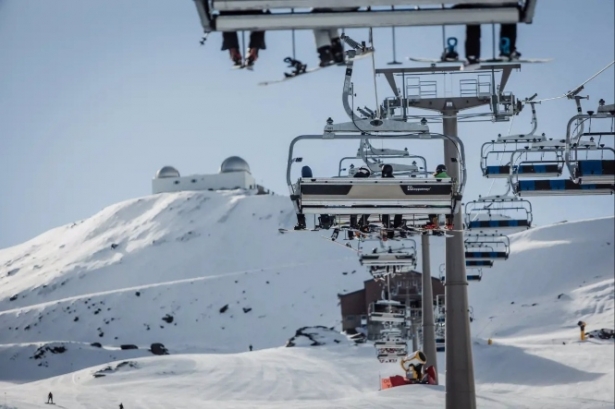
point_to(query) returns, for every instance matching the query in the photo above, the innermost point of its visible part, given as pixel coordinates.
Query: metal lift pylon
(460, 386)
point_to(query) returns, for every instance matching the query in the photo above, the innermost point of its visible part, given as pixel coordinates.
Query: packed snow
(207, 274)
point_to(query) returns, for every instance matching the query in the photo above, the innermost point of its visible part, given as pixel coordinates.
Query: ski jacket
(442, 175)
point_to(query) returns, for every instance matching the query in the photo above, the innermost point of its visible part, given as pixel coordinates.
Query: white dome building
(234, 173)
(167, 172)
(234, 164)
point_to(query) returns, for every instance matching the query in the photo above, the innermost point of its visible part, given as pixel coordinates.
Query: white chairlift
(487, 247)
(497, 214)
(590, 161)
(388, 196)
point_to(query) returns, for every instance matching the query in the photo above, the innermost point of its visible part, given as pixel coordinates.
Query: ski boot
(325, 56)
(515, 55)
(325, 221)
(472, 59)
(236, 57)
(337, 51)
(300, 222)
(449, 222)
(252, 57)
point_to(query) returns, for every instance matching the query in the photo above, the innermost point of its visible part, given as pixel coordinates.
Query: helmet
(387, 170)
(364, 170)
(441, 168)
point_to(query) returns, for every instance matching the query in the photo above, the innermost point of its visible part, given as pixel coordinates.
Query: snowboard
(489, 61)
(297, 231)
(314, 69)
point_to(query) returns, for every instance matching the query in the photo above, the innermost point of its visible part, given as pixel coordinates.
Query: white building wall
(220, 181)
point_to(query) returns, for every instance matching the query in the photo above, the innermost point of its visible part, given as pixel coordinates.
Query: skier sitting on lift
(306, 172)
(363, 224)
(508, 38)
(230, 41)
(434, 222)
(387, 172)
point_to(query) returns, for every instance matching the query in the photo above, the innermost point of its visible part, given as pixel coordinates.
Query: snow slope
(182, 254)
(178, 259)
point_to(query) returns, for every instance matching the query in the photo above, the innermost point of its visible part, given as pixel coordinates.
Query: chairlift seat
(474, 277)
(559, 187)
(595, 171)
(391, 345)
(539, 170)
(386, 317)
(387, 259)
(376, 195)
(498, 224)
(479, 263)
(486, 255)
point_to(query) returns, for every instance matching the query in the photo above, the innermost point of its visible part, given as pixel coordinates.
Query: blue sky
(96, 96)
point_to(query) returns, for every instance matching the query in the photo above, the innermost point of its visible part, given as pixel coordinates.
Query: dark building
(405, 288)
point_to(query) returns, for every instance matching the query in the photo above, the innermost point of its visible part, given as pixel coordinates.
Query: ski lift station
(234, 173)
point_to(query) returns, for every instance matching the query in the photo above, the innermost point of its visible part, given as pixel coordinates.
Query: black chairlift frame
(237, 15)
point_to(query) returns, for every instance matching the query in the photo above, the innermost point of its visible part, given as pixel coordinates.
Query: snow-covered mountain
(203, 271)
(207, 274)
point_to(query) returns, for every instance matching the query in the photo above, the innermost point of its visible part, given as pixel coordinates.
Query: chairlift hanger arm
(347, 91)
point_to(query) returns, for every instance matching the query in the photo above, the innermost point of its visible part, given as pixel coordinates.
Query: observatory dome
(234, 164)
(167, 172)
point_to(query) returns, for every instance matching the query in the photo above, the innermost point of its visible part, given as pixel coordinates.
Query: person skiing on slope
(50, 398)
(121, 406)
(433, 223)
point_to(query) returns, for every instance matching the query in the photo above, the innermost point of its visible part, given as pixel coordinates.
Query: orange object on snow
(397, 380)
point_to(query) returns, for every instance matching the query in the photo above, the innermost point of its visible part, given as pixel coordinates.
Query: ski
(306, 71)
(283, 231)
(242, 67)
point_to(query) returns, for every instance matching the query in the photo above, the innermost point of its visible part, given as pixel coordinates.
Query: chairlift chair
(478, 276)
(388, 259)
(538, 162)
(386, 311)
(590, 163)
(487, 247)
(355, 196)
(497, 214)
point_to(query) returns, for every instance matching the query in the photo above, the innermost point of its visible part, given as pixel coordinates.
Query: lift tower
(420, 94)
